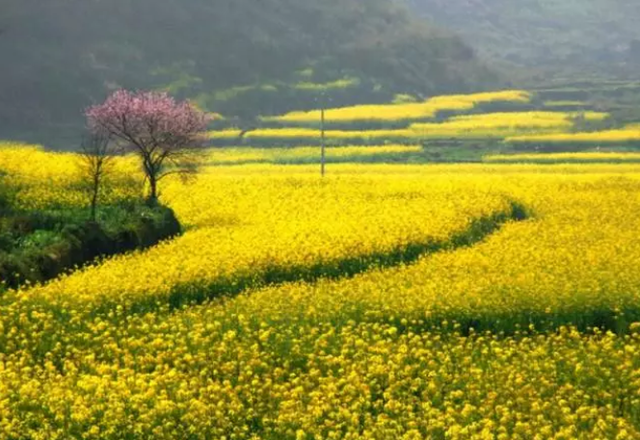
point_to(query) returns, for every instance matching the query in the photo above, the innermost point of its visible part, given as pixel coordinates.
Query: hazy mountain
(234, 56)
(558, 34)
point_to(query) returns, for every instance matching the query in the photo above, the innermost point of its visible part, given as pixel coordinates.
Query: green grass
(38, 245)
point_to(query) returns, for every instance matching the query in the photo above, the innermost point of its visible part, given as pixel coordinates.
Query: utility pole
(322, 135)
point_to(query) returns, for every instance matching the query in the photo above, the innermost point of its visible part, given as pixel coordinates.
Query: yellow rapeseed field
(515, 126)
(46, 178)
(405, 111)
(229, 134)
(302, 135)
(501, 125)
(268, 221)
(305, 136)
(306, 154)
(472, 320)
(560, 267)
(583, 157)
(630, 134)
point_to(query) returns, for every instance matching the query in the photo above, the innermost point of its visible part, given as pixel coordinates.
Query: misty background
(244, 58)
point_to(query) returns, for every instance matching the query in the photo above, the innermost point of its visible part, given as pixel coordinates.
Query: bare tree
(97, 153)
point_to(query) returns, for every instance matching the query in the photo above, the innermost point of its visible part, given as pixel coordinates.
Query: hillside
(560, 35)
(237, 57)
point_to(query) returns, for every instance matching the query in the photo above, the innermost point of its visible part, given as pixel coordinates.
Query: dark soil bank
(36, 247)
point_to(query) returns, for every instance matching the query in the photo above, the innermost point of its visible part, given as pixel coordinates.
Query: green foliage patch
(36, 246)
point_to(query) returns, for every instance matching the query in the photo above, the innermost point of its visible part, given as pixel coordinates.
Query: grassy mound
(38, 245)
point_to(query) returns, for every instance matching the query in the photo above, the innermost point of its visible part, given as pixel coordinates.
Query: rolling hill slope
(598, 34)
(238, 57)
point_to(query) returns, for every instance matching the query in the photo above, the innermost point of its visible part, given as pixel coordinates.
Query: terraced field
(405, 111)
(495, 300)
(497, 122)
(561, 158)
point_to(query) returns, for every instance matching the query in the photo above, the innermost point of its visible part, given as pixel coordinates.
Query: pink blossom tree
(167, 135)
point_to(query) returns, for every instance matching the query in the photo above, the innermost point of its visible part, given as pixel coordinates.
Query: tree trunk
(152, 200)
(94, 202)
(94, 197)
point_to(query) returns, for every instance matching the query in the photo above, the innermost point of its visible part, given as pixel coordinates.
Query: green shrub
(38, 246)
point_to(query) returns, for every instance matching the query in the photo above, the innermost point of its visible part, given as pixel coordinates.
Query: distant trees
(165, 134)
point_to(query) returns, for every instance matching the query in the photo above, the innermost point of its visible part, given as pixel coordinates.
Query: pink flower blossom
(155, 126)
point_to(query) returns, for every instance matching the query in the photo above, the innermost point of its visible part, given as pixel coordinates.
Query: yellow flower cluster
(485, 341)
(511, 125)
(566, 103)
(405, 111)
(46, 178)
(203, 373)
(585, 157)
(254, 223)
(500, 125)
(343, 83)
(625, 135)
(226, 134)
(306, 154)
(302, 135)
(452, 101)
(572, 264)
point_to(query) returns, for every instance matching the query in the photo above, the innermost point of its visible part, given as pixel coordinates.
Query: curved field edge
(196, 292)
(573, 266)
(62, 321)
(478, 229)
